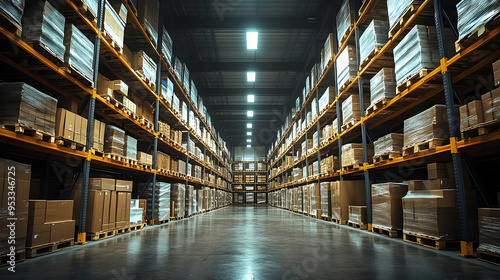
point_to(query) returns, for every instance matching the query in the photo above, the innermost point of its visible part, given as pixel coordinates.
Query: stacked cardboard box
(114, 26)
(489, 226)
(50, 221)
(71, 126)
(130, 147)
(395, 9)
(117, 90)
(114, 140)
(387, 205)
(496, 73)
(430, 124)
(351, 108)
(20, 174)
(345, 19)
(343, 194)
(383, 85)
(324, 190)
(147, 14)
(79, 51)
(162, 161)
(357, 215)
(21, 103)
(392, 142)
(347, 66)
(353, 154)
(98, 136)
(143, 64)
(374, 37)
(477, 112)
(166, 46)
(144, 158)
(330, 164)
(314, 200)
(162, 200)
(177, 196)
(43, 24)
(326, 54)
(473, 14)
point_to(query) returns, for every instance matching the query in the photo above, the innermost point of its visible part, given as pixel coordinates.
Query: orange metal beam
(83, 17)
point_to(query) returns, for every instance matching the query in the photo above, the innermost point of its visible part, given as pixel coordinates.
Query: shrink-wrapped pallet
(114, 140)
(347, 67)
(489, 227)
(178, 197)
(343, 194)
(14, 9)
(261, 198)
(130, 147)
(79, 51)
(142, 63)
(300, 199)
(167, 90)
(387, 205)
(186, 82)
(330, 164)
(21, 103)
(324, 190)
(474, 13)
(249, 198)
(327, 51)
(357, 215)
(147, 14)
(161, 199)
(383, 85)
(92, 6)
(353, 154)
(43, 24)
(314, 200)
(374, 37)
(396, 8)
(178, 68)
(327, 98)
(392, 142)
(351, 108)
(189, 200)
(430, 124)
(345, 19)
(167, 46)
(114, 26)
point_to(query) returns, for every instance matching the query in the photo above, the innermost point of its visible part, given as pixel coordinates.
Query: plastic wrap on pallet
(135, 216)
(351, 108)
(430, 124)
(335, 125)
(147, 14)
(324, 188)
(357, 215)
(199, 200)
(288, 199)
(328, 51)
(387, 207)
(395, 9)
(345, 19)
(178, 196)
(489, 227)
(383, 85)
(347, 66)
(178, 68)
(130, 150)
(193, 93)
(167, 90)
(162, 200)
(330, 164)
(327, 98)
(167, 45)
(343, 194)
(13, 8)
(114, 140)
(142, 62)
(375, 35)
(392, 142)
(353, 154)
(114, 26)
(45, 24)
(300, 199)
(191, 209)
(79, 51)
(185, 77)
(474, 13)
(21, 103)
(92, 6)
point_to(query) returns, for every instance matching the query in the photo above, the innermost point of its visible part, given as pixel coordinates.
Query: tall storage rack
(30, 64)
(435, 87)
(255, 184)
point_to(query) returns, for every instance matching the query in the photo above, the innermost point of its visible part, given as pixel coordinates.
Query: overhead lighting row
(252, 42)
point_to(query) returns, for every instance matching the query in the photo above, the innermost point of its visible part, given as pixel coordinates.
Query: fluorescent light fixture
(249, 146)
(252, 39)
(251, 98)
(250, 76)
(249, 125)
(249, 113)
(249, 140)
(249, 133)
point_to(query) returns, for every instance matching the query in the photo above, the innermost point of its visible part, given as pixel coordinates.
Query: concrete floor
(249, 242)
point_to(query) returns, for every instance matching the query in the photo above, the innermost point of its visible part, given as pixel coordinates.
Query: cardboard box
(357, 215)
(65, 124)
(345, 193)
(123, 186)
(496, 77)
(112, 211)
(105, 211)
(36, 213)
(61, 231)
(121, 200)
(78, 129)
(38, 234)
(127, 209)
(387, 205)
(441, 184)
(95, 204)
(489, 222)
(58, 210)
(475, 112)
(496, 66)
(101, 184)
(464, 117)
(437, 170)
(488, 114)
(495, 95)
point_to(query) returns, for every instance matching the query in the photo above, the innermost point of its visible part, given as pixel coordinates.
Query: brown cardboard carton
(112, 211)
(495, 95)
(475, 112)
(489, 223)
(357, 215)
(127, 209)
(121, 199)
(437, 170)
(36, 213)
(387, 205)
(464, 117)
(487, 107)
(65, 124)
(38, 234)
(95, 206)
(78, 129)
(61, 231)
(496, 76)
(95, 135)
(58, 210)
(123, 186)
(101, 184)
(442, 183)
(418, 185)
(105, 211)
(83, 131)
(345, 193)
(496, 65)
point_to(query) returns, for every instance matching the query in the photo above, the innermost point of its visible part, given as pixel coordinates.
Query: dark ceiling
(210, 37)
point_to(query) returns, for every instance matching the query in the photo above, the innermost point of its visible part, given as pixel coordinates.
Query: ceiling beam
(229, 108)
(245, 66)
(283, 23)
(244, 91)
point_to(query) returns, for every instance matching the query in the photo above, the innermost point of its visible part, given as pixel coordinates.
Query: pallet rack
(44, 72)
(246, 170)
(426, 90)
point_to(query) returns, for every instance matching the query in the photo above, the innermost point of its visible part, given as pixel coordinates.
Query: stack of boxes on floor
(50, 221)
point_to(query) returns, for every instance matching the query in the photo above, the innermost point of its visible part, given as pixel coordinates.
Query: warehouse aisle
(251, 243)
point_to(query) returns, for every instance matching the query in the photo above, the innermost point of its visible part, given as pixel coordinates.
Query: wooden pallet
(7, 22)
(430, 242)
(352, 166)
(137, 227)
(147, 80)
(145, 122)
(178, 218)
(46, 52)
(369, 57)
(325, 218)
(122, 230)
(488, 256)
(346, 84)
(348, 125)
(32, 252)
(340, 222)
(95, 236)
(150, 36)
(344, 37)
(77, 74)
(480, 129)
(422, 146)
(145, 166)
(387, 231)
(477, 34)
(84, 9)
(386, 156)
(408, 12)
(111, 42)
(18, 257)
(129, 161)
(113, 156)
(376, 106)
(30, 131)
(358, 226)
(97, 153)
(408, 82)
(61, 141)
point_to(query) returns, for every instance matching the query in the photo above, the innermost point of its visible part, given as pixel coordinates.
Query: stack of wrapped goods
(14, 9)
(382, 86)
(178, 68)
(387, 207)
(71, 126)
(144, 66)
(79, 51)
(114, 140)
(305, 199)
(347, 67)
(481, 111)
(20, 195)
(430, 208)
(167, 90)
(489, 227)
(343, 194)
(324, 189)
(297, 174)
(288, 198)
(395, 10)
(178, 197)
(43, 25)
(429, 126)
(162, 200)
(357, 217)
(345, 20)
(373, 39)
(261, 198)
(23, 104)
(144, 159)
(473, 13)
(114, 26)
(147, 14)
(352, 155)
(98, 136)
(330, 164)
(136, 217)
(189, 200)
(351, 110)
(326, 99)
(249, 198)
(130, 148)
(162, 161)
(387, 147)
(326, 55)
(199, 200)
(186, 82)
